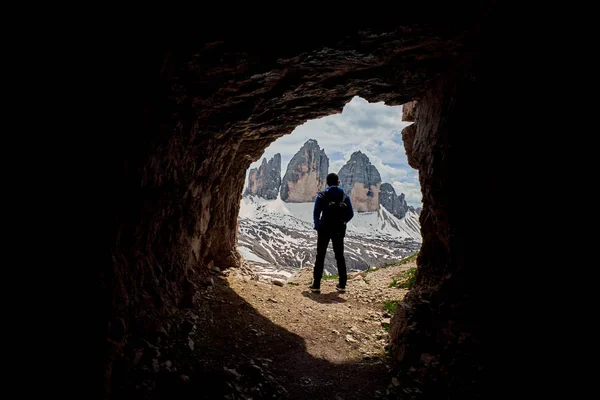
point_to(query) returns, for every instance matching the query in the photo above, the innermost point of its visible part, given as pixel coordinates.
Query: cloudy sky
(372, 128)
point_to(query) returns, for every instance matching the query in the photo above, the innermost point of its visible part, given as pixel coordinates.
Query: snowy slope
(383, 223)
(375, 224)
(279, 235)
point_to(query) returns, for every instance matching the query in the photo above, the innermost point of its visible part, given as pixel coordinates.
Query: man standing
(333, 210)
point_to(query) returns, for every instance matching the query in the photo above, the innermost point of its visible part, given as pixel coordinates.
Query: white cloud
(336, 165)
(372, 128)
(411, 190)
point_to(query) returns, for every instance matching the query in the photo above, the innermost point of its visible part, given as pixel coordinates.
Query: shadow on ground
(222, 348)
(324, 298)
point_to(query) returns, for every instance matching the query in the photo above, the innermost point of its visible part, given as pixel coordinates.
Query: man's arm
(317, 211)
(350, 210)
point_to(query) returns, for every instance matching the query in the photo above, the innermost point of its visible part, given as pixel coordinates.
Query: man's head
(333, 179)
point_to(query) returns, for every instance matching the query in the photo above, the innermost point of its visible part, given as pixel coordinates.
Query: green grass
(407, 280)
(293, 283)
(412, 257)
(390, 306)
(410, 277)
(408, 259)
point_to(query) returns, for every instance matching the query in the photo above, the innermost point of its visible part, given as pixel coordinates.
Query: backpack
(337, 211)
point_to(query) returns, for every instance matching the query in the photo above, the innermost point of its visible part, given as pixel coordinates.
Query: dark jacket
(320, 211)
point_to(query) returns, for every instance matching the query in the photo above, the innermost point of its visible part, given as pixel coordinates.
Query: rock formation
(438, 327)
(395, 204)
(265, 180)
(361, 181)
(306, 174)
(408, 111)
(408, 133)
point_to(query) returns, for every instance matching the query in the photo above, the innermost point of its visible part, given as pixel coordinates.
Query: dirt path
(253, 339)
(347, 331)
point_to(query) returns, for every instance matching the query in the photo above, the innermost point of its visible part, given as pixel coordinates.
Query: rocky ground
(251, 337)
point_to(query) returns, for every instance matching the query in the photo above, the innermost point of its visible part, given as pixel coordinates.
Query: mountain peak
(359, 155)
(306, 174)
(395, 204)
(361, 181)
(265, 180)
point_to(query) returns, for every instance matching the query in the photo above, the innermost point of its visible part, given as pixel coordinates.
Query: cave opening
(175, 328)
(363, 145)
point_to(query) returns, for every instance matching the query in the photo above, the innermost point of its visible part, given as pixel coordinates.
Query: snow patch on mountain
(250, 256)
(374, 224)
(279, 237)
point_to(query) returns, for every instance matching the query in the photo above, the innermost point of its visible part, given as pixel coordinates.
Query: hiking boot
(340, 289)
(314, 288)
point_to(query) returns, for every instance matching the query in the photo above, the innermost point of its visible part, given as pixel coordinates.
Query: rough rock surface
(409, 111)
(395, 204)
(306, 174)
(408, 138)
(438, 332)
(361, 181)
(265, 180)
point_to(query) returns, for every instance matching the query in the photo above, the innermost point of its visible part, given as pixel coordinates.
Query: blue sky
(372, 128)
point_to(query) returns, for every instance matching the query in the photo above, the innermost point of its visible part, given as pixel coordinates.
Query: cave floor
(246, 338)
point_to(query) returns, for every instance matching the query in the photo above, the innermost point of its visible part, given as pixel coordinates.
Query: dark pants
(337, 240)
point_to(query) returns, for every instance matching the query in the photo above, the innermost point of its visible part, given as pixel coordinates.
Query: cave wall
(209, 109)
(180, 215)
(455, 142)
